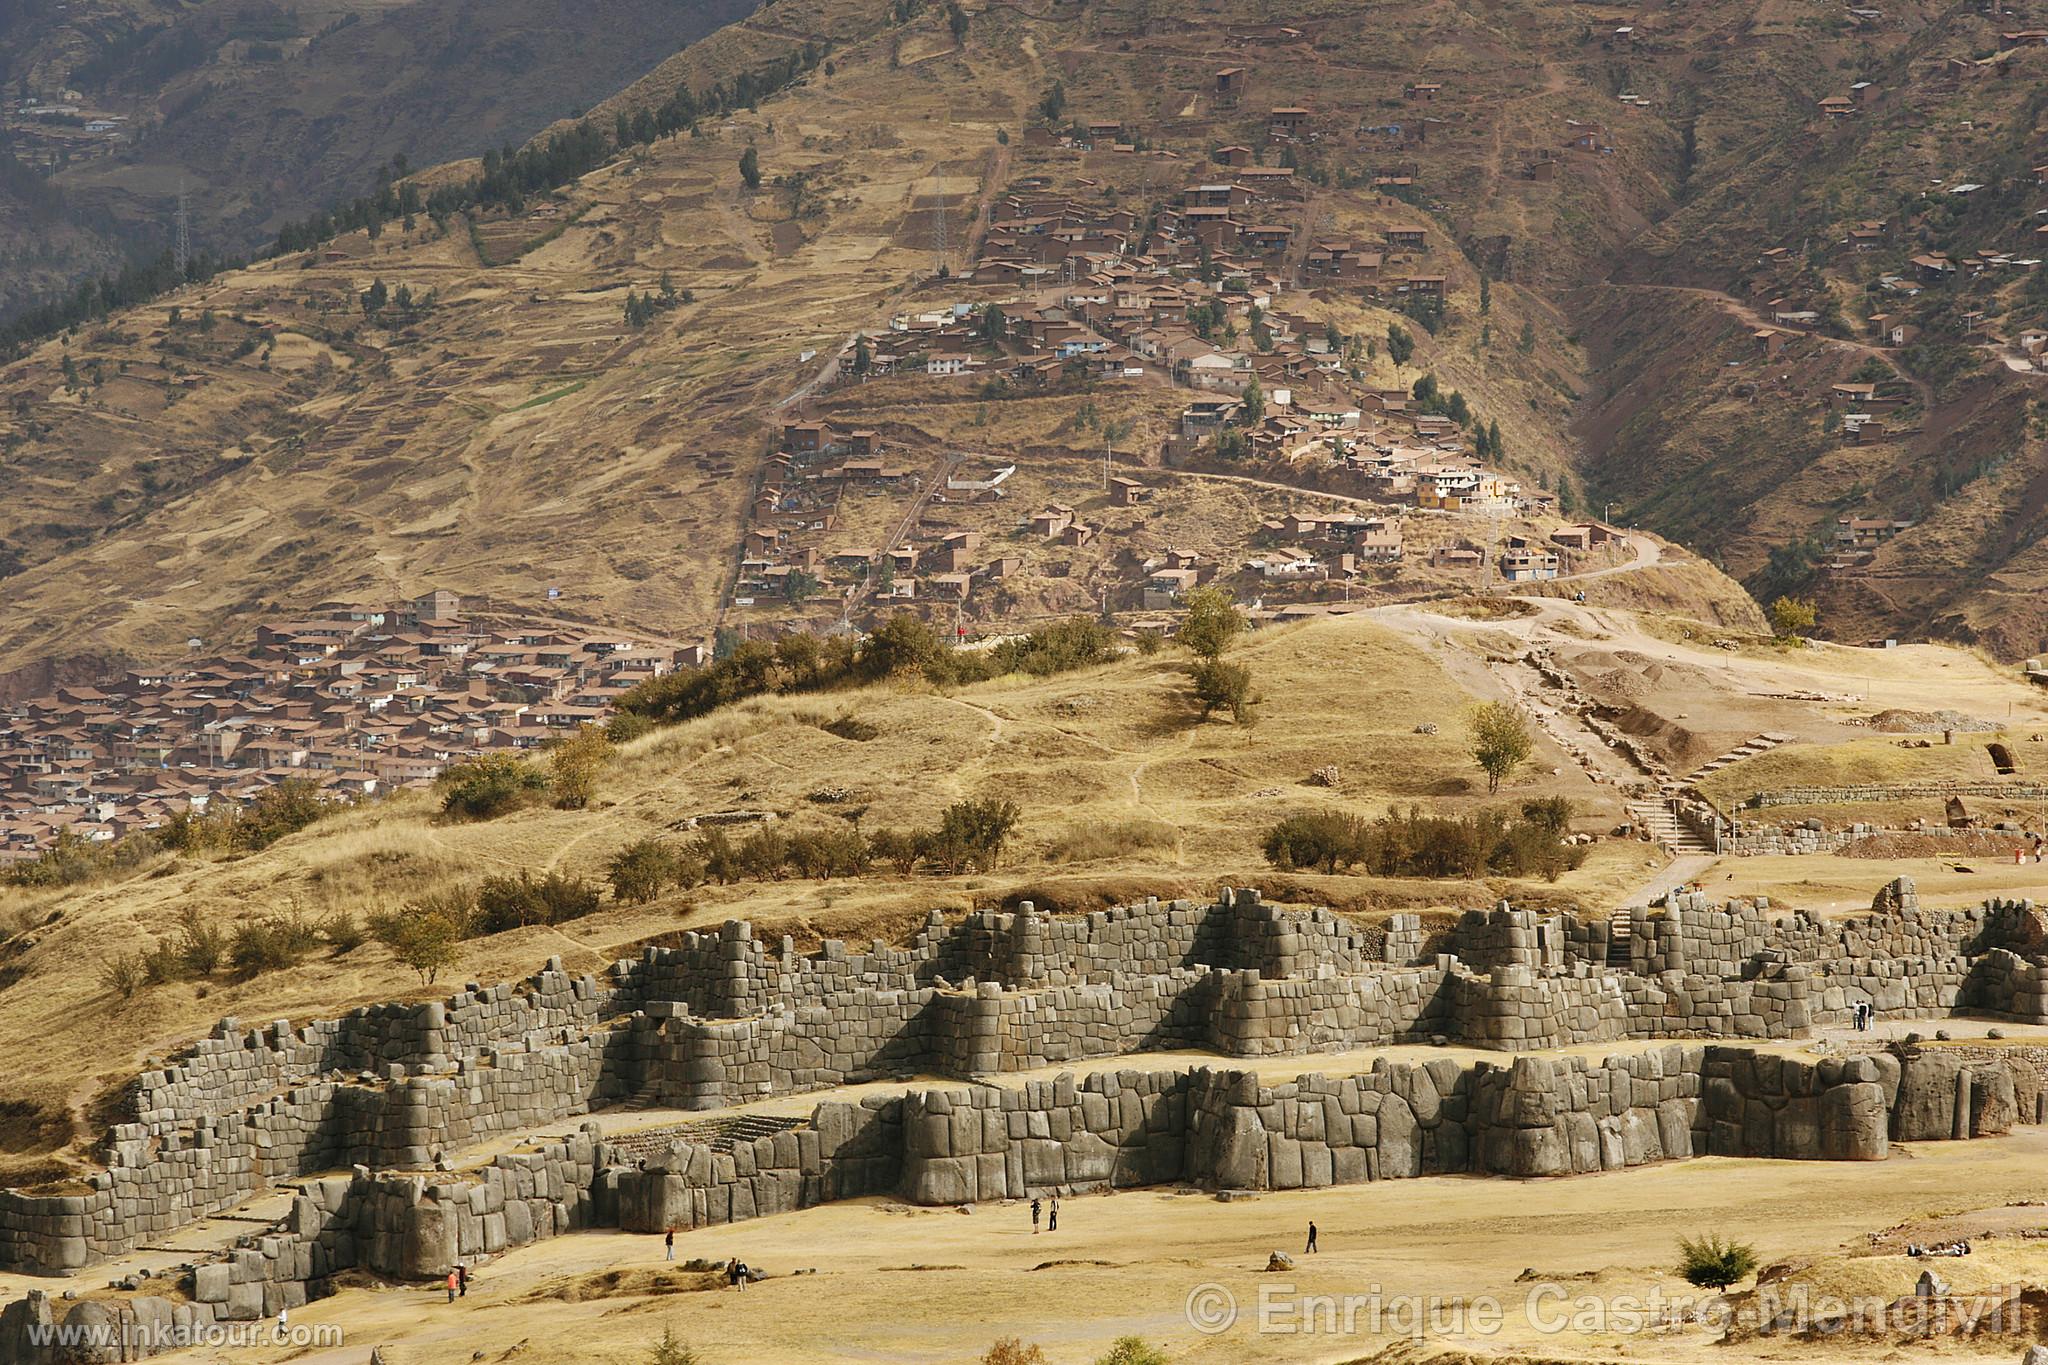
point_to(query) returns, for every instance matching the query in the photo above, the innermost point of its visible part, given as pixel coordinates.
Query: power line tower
(181, 247)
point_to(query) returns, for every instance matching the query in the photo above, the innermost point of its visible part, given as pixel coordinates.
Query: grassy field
(1124, 793)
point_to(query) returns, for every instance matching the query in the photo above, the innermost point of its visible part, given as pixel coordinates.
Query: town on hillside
(356, 701)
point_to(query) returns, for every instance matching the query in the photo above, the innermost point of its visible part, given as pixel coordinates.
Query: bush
(1413, 844)
(971, 834)
(625, 727)
(1327, 839)
(670, 1351)
(1132, 1351)
(504, 903)
(271, 944)
(344, 933)
(486, 787)
(201, 947)
(426, 937)
(827, 853)
(1712, 1262)
(1012, 1351)
(574, 764)
(894, 847)
(123, 975)
(1224, 686)
(642, 870)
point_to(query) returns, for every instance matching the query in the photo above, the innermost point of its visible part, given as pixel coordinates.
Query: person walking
(668, 1245)
(1034, 1217)
(462, 1279)
(1052, 1219)
(284, 1317)
(451, 1286)
(1311, 1237)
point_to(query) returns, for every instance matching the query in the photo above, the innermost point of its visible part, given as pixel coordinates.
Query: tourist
(461, 1280)
(1052, 1220)
(1034, 1217)
(452, 1286)
(1311, 1235)
(284, 1317)
(736, 1273)
(668, 1244)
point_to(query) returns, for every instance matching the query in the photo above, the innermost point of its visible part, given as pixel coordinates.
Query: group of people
(1938, 1249)
(1862, 1014)
(736, 1273)
(1052, 1226)
(458, 1283)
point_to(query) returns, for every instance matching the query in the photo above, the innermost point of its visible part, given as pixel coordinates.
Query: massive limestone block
(1926, 1106)
(1993, 1107)
(1241, 1150)
(426, 1249)
(1852, 1123)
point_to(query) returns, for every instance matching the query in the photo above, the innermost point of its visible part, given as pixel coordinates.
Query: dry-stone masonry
(728, 1017)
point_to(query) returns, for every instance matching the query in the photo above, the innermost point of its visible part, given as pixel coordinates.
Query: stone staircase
(719, 1134)
(1621, 929)
(1666, 828)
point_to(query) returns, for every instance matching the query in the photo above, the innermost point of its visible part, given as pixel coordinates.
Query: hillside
(264, 113)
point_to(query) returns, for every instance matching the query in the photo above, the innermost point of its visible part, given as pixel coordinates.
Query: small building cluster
(358, 701)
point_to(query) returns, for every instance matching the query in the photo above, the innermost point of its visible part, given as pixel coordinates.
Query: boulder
(1279, 1260)
(1930, 1286)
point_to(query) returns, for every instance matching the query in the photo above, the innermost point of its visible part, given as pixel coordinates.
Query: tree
(1400, 345)
(1527, 343)
(375, 297)
(1013, 1351)
(1254, 400)
(574, 764)
(1053, 101)
(971, 834)
(1485, 293)
(425, 938)
(1501, 741)
(750, 168)
(1713, 1262)
(1212, 622)
(1793, 616)
(670, 1351)
(956, 22)
(1328, 839)
(863, 355)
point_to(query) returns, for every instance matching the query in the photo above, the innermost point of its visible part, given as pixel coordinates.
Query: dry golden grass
(1124, 793)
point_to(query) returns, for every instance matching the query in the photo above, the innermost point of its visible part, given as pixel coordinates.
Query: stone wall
(1212, 1128)
(726, 1017)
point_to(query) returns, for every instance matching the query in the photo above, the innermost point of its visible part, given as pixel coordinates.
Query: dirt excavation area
(1565, 1270)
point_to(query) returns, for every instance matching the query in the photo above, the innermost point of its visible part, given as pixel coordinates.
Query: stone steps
(1667, 829)
(719, 1134)
(1749, 748)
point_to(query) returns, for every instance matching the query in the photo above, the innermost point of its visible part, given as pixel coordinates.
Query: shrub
(1713, 1262)
(640, 871)
(504, 903)
(271, 944)
(625, 727)
(1326, 839)
(1132, 1351)
(486, 787)
(669, 1351)
(971, 834)
(827, 853)
(201, 947)
(1224, 686)
(425, 937)
(762, 855)
(1011, 1351)
(123, 975)
(894, 847)
(575, 763)
(285, 808)
(344, 933)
